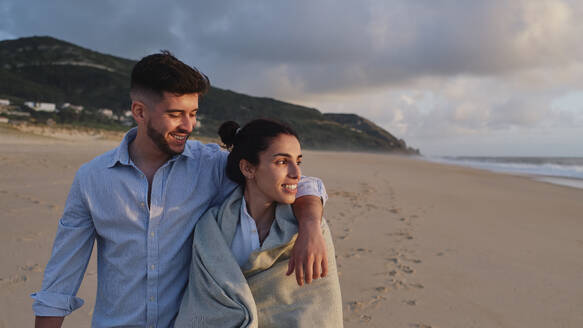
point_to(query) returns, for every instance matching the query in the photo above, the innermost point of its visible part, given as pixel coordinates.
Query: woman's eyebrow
(286, 155)
(281, 154)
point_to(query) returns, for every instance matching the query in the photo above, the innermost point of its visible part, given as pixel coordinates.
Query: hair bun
(227, 132)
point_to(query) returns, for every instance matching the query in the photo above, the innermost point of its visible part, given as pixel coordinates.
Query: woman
(241, 249)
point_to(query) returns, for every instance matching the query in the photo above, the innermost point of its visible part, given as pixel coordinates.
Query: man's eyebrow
(171, 110)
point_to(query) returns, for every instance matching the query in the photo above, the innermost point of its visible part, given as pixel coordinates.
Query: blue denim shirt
(143, 253)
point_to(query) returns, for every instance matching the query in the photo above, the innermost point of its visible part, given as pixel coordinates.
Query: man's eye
(299, 163)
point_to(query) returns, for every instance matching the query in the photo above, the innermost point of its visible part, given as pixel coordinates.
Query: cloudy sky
(492, 77)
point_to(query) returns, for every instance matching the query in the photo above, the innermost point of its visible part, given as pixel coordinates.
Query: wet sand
(418, 244)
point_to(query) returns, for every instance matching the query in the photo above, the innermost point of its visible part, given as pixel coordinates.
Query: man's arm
(64, 272)
(309, 258)
(309, 253)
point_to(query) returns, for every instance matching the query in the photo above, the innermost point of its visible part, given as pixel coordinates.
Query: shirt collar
(244, 213)
(121, 154)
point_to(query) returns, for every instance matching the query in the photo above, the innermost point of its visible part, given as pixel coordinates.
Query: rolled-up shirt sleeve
(70, 255)
(312, 186)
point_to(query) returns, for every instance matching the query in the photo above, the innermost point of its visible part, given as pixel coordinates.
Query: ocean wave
(540, 166)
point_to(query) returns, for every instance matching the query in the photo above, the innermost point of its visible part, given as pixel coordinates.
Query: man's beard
(159, 140)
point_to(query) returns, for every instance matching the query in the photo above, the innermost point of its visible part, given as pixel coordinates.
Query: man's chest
(125, 200)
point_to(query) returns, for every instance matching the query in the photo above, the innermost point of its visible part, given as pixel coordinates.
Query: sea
(564, 171)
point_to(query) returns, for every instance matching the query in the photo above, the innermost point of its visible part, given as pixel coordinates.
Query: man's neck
(147, 157)
(146, 154)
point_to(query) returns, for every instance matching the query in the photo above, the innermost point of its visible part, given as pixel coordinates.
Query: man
(141, 201)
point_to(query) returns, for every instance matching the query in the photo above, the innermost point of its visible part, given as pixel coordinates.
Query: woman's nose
(294, 171)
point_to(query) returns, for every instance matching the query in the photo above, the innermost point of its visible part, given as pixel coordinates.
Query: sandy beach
(418, 244)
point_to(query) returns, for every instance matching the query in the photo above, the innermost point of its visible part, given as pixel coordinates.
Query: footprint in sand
(31, 268)
(365, 318)
(29, 237)
(356, 308)
(397, 283)
(13, 279)
(383, 289)
(405, 234)
(357, 252)
(406, 269)
(416, 285)
(393, 260)
(410, 302)
(408, 259)
(422, 325)
(371, 207)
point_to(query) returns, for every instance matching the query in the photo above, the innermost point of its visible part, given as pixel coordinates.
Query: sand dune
(418, 244)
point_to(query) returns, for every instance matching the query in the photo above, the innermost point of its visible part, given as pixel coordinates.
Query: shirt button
(152, 298)
(142, 204)
(152, 233)
(152, 267)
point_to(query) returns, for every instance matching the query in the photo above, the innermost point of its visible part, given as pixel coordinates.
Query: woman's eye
(299, 163)
(281, 161)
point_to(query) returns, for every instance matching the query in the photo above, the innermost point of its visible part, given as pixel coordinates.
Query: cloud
(425, 70)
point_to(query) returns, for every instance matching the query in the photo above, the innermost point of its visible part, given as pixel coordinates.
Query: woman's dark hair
(247, 142)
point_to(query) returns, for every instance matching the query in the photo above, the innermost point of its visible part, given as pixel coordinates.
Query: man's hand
(48, 322)
(308, 257)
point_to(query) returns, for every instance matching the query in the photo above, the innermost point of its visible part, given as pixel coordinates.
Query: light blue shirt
(143, 253)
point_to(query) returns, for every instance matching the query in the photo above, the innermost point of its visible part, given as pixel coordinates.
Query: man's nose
(187, 123)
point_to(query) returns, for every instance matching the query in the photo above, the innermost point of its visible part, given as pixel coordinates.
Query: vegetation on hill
(45, 69)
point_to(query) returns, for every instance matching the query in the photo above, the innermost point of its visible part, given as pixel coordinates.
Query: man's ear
(247, 169)
(138, 111)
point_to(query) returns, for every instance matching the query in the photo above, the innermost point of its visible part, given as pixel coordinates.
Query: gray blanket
(220, 294)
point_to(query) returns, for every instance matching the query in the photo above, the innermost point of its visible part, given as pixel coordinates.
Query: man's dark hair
(248, 142)
(162, 72)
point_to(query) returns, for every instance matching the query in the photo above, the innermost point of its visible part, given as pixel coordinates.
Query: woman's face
(278, 172)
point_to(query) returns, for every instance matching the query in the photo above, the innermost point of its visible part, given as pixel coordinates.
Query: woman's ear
(247, 169)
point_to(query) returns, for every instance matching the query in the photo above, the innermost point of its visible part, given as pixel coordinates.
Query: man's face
(170, 121)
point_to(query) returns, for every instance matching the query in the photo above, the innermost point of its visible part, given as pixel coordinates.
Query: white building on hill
(106, 112)
(76, 108)
(41, 107)
(4, 102)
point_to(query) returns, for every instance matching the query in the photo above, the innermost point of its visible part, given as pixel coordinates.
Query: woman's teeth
(290, 186)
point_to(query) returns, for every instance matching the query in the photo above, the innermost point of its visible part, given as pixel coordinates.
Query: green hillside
(45, 69)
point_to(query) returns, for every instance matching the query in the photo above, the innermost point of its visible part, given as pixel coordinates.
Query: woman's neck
(261, 210)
